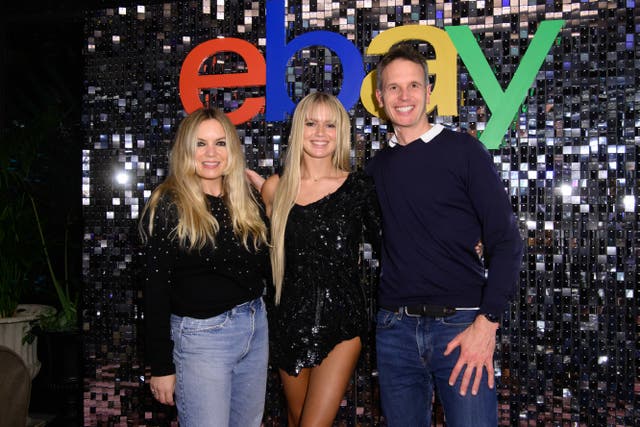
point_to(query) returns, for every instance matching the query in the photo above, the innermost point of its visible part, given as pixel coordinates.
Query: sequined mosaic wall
(568, 351)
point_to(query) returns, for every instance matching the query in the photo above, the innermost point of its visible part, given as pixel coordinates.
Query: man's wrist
(491, 317)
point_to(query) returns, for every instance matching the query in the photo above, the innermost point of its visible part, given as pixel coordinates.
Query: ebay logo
(448, 44)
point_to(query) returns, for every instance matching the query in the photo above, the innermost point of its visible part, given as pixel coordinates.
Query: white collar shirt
(425, 137)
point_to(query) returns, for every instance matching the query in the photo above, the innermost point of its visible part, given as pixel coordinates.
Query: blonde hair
(196, 226)
(289, 183)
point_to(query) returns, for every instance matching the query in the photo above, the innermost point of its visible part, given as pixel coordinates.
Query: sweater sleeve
(372, 221)
(160, 254)
(500, 233)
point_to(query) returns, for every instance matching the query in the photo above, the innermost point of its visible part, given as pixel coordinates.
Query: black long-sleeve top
(200, 283)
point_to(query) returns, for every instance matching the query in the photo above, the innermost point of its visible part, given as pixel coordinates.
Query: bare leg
(295, 390)
(328, 383)
(314, 396)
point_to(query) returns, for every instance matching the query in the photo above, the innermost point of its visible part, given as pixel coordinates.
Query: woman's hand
(479, 248)
(163, 388)
(254, 179)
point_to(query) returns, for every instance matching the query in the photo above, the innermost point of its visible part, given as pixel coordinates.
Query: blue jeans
(221, 367)
(411, 364)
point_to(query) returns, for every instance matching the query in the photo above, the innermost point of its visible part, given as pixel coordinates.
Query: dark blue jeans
(411, 364)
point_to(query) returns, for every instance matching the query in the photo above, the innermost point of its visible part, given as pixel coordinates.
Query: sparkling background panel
(568, 348)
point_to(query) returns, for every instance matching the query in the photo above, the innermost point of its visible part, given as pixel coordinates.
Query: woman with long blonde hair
(206, 269)
(320, 214)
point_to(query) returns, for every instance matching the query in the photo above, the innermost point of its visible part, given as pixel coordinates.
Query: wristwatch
(492, 317)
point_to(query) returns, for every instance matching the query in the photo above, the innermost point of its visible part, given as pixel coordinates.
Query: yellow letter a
(444, 92)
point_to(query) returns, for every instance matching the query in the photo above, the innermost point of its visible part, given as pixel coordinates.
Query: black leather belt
(422, 310)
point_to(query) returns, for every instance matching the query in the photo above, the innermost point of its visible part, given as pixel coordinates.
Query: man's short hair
(401, 50)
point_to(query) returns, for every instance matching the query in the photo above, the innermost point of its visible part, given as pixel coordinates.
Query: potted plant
(40, 146)
(35, 250)
(19, 259)
(66, 318)
(57, 386)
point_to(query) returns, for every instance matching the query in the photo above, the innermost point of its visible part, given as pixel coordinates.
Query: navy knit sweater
(438, 199)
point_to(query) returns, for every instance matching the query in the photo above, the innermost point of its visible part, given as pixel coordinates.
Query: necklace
(334, 174)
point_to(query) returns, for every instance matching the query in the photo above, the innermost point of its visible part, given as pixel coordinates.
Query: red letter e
(191, 81)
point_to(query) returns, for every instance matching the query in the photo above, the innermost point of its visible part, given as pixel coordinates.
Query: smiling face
(319, 137)
(404, 95)
(211, 156)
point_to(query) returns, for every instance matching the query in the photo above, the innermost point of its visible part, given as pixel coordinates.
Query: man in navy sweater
(440, 305)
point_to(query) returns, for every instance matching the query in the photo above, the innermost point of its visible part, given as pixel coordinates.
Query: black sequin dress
(323, 301)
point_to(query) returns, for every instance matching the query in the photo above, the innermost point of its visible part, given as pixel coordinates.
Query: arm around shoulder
(268, 192)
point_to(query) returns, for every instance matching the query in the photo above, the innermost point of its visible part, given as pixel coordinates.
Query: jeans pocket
(386, 319)
(462, 318)
(191, 326)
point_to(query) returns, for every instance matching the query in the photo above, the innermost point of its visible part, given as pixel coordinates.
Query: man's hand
(477, 344)
(163, 388)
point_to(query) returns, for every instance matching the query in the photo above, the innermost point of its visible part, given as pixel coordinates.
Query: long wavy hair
(196, 226)
(289, 184)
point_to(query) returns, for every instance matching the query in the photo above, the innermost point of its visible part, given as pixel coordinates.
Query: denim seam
(253, 327)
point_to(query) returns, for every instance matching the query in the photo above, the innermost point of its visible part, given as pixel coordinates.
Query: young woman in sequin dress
(320, 214)
(206, 270)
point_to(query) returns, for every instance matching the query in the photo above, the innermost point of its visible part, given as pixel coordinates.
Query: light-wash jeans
(221, 367)
(411, 363)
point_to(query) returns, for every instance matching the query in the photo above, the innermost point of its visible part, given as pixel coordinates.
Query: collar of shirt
(425, 137)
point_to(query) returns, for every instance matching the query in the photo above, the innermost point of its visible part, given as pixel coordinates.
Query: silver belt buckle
(406, 313)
